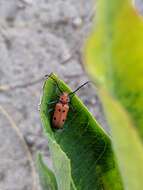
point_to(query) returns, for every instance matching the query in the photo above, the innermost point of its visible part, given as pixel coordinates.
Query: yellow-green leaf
(114, 58)
(127, 144)
(114, 55)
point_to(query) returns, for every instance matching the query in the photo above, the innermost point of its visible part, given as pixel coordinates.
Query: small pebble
(66, 56)
(93, 100)
(77, 22)
(30, 140)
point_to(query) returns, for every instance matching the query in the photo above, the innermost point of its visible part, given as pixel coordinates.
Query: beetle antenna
(47, 76)
(79, 87)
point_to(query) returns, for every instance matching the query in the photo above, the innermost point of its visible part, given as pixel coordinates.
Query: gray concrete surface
(36, 36)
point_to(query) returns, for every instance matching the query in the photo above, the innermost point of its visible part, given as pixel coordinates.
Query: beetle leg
(52, 102)
(60, 130)
(50, 110)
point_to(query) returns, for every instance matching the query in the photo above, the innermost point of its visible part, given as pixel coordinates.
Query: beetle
(61, 111)
(62, 106)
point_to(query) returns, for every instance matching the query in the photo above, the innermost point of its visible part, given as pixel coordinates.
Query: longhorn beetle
(62, 106)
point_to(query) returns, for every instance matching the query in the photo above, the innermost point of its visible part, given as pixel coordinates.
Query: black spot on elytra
(54, 118)
(63, 111)
(59, 110)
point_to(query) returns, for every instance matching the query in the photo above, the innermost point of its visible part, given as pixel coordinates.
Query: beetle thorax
(64, 98)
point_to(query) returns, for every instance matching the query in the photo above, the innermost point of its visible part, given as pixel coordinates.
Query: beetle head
(64, 98)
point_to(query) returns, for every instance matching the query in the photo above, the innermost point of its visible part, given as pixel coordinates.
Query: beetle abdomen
(60, 115)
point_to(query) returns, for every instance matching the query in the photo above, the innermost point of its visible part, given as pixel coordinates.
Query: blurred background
(38, 37)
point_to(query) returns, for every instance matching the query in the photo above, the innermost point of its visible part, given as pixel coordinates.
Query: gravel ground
(36, 37)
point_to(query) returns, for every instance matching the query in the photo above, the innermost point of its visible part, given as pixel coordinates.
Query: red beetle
(62, 107)
(61, 111)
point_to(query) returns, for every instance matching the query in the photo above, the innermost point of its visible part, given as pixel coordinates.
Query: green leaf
(81, 152)
(114, 59)
(47, 178)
